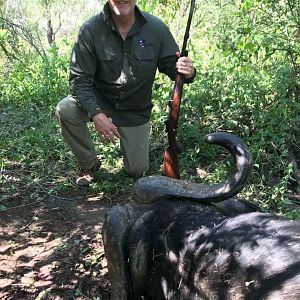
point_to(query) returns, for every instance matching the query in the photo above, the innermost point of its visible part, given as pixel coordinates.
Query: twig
(24, 227)
(23, 205)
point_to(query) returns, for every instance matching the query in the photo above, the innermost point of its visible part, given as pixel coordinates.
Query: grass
(35, 162)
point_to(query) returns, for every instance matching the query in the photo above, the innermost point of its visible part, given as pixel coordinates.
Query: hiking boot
(87, 176)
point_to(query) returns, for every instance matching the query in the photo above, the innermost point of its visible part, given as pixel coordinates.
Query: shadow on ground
(51, 245)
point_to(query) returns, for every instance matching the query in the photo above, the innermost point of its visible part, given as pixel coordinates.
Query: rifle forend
(170, 162)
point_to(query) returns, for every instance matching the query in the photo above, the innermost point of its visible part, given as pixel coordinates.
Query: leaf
(3, 208)
(250, 46)
(3, 34)
(78, 292)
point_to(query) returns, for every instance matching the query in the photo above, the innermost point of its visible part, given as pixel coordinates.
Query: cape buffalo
(179, 240)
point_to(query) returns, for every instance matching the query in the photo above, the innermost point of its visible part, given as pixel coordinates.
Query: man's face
(122, 7)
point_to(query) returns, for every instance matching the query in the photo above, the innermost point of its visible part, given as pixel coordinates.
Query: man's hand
(106, 130)
(185, 66)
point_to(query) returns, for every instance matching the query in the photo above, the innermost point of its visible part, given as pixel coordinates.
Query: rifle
(170, 162)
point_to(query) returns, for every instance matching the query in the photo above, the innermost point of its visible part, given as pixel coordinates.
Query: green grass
(35, 159)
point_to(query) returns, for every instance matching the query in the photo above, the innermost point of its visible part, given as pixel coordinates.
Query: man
(112, 70)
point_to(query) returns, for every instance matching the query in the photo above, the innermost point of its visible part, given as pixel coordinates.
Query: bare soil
(51, 245)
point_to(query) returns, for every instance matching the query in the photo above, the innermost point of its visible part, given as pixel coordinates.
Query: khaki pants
(134, 140)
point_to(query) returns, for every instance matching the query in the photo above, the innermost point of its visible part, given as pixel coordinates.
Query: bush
(35, 80)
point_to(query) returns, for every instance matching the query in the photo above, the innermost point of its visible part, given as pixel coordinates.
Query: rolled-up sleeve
(167, 55)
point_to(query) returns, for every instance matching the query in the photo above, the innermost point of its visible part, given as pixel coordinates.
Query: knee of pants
(137, 172)
(68, 110)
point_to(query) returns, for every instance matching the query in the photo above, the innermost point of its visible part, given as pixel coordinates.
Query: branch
(8, 54)
(25, 34)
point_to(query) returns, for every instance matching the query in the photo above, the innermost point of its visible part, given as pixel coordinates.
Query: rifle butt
(171, 164)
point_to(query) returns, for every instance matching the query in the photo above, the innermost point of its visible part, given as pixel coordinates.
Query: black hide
(180, 245)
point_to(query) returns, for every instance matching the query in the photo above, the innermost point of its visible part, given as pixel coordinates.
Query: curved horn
(152, 188)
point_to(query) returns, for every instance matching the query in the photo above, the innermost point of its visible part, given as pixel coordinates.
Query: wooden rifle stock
(171, 163)
(170, 160)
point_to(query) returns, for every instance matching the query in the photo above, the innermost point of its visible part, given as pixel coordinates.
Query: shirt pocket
(145, 63)
(107, 63)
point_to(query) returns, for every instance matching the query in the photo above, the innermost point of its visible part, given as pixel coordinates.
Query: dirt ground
(51, 245)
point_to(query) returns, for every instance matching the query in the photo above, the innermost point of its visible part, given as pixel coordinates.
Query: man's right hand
(106, 129)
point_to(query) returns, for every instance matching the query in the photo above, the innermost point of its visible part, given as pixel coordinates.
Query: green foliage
(29, 91)
(247, 55)
(35, 80)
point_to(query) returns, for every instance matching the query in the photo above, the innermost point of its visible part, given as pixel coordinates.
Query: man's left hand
(184, 66)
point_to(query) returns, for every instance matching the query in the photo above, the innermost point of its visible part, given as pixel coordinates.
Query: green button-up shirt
(116, 76)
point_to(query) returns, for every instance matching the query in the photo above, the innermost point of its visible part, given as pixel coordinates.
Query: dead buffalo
(179, 240)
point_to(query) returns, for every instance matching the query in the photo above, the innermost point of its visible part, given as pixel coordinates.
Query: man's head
(122, 7)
